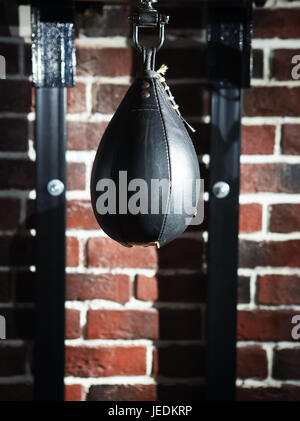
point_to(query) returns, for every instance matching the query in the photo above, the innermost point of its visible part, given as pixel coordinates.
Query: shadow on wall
(16, 242)
(179, 288)
(179, 354)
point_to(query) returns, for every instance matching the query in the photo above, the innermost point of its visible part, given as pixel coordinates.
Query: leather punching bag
(146, 142)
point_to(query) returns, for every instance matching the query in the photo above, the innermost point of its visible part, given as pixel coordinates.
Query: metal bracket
(229, 35)
(148, 17)
(53, 46)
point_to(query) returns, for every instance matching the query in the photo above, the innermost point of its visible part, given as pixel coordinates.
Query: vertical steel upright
(53, 60)
(229, 47)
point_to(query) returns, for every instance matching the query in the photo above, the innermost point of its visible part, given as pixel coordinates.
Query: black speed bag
(146, 168)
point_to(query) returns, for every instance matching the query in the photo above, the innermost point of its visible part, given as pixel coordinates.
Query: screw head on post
(221, 189)
(55, 187)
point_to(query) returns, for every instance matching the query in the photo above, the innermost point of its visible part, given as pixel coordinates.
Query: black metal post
(223, 243)
(53, 60)
(50, 244)
(229, 47)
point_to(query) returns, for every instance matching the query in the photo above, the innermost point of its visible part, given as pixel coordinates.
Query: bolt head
(221, 189)
(55, 187)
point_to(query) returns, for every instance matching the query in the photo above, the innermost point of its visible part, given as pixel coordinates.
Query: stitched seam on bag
(168, 160)
(173, 112)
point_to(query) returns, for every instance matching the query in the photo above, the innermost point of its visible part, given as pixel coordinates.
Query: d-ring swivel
(147, 17)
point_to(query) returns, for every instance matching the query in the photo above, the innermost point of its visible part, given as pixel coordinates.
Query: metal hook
(148, 17)
(136, 37)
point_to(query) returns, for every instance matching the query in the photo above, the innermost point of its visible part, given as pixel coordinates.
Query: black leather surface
(148, 139)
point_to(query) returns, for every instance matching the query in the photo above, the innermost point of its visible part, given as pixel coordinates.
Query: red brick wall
(16, 243)
(269, 223)
(135, 318)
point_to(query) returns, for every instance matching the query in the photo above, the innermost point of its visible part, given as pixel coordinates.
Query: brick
(73, 329)
(15, 96)
(278, 178)
(76, 101)
(108, 97)
(184, 392)
(243, 289)
(30, 221)
(105, 361)
(104, 252)
(287, 364)
(27, 60)
(5, 287)
(192, 361)
(20, 322)
(11, 53)
(73, 392)
(265, 325)
(84, 136)
(203, 133)
(282, 65)
(12, 360)
(179, 27)
(193, 59)
(7, 19)
(76, 176)
(134, 392)
(181, 253)
(203, 226)
(72, 251)
(17, 174)
(258, 139)
(146, 288)
(285, 218)
(284, 393)
(278, 289)
(193, 99)
(282, 253)
(175, 288)
(258, 66)
(290, 143)
(252, 362)
(16, 134)
(182, 288)
(187, 21)
(16, 250)
(33, 102)
(109, 21)
(205, 177)
(124, 324)
(131, 324)
(250, 217)
(272, 101)
(80, 215)
(176, 324)
(25, 287)
(16, 392)
(9, 214)
(279, 23)
(105, 287)
(111, 62)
